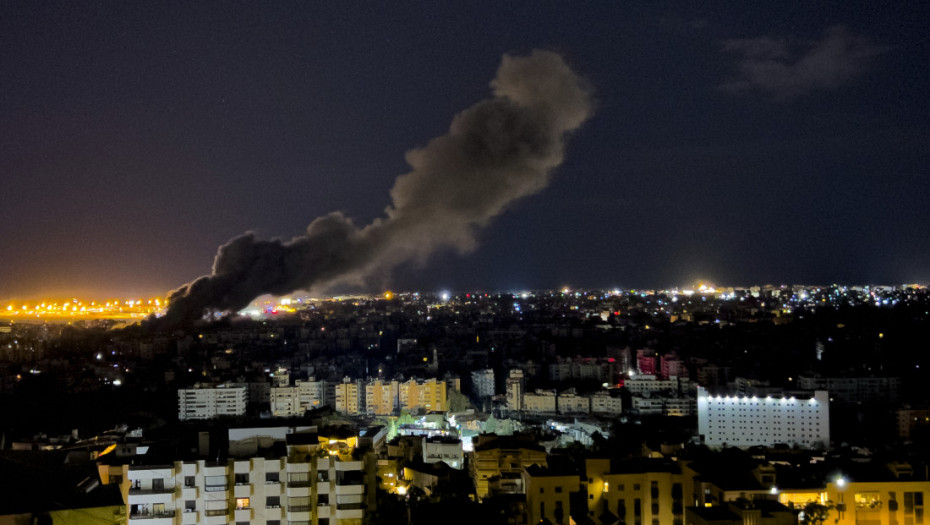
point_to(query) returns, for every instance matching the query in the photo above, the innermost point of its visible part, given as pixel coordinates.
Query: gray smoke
(495, 152)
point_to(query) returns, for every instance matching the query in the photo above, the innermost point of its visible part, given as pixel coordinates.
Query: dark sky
(782, 143)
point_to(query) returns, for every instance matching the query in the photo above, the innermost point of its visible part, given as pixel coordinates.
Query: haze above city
(781, 144)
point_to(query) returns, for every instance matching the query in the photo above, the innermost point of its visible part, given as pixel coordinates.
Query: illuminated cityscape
(506, 263)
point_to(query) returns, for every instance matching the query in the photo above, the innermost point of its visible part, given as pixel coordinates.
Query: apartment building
(209, 401)
(635, 491)
(570, 402)
(350, 398)
(323, 480)
(854, 391)
(382, 397)
(312, 393)
(429, 395)
(540, 402)
(547, 494)
(285, 401)
(604, 403)
(495, 456)
(482, 382)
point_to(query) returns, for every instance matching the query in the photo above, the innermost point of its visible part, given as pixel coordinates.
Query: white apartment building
(208, 402)
(540, 402)
(645, 385)
(663, 406)
(603, 403)
(745, 421)
(285, 401)
(445, 449)
(570, 402)
(482, 382)
(312, 485)
(312, 393)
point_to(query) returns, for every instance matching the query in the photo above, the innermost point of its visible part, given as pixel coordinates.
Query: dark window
(558, 490)
(190, 505)
(189, 481)
(242, 479)
(158, 484)
(637, 507)
(116, 479)
(273, 501)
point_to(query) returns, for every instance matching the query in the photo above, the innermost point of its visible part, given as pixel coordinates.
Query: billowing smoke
(495, 152)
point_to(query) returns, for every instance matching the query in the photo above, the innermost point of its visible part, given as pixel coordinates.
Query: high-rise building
(381, 397)
(350, 397)
(312, 393)
(515, 388)
(285, 401)
(322, 479)
(208, 402)
(429, 395)
(482, 382)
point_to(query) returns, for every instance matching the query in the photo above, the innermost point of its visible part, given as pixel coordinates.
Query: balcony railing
(298, 483)
(216, 512)
(151, 515)
(140, 491)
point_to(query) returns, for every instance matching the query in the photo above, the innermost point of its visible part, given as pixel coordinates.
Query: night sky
(786, 143)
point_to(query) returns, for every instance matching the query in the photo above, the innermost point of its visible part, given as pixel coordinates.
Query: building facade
(210, 402)
(745, 421)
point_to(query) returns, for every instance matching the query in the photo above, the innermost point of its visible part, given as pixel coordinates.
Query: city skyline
(778, 145)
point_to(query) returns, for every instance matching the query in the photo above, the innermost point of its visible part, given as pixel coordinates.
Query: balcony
(242, 491)
(150, 497)
(190, 517)
(348, 465)
(153, 518)
(214, 520)
(350, 511)
(342, 490)
(216, 470)
(298, 515)
(163, 490)
(244, 514)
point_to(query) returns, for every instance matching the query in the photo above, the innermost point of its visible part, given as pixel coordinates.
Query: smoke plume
(497, 151)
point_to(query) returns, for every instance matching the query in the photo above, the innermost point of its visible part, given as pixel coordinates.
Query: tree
(815, 514)
(458, 402)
